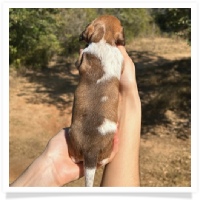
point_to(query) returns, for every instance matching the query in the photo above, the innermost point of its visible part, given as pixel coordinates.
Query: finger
(113, 153)
(115, 144)
(115, 147)
(123, 51)
(81, 169)
(76, 171)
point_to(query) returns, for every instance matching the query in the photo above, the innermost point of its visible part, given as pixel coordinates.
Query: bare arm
(53, 167)
(123, 170)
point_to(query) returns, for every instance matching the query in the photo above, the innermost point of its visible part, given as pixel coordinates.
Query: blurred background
(43, 47)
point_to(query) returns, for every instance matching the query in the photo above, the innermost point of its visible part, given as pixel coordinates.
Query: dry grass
(175, 48)
(41, 103)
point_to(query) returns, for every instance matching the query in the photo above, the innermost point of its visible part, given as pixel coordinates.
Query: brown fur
(108, 25)
(85, 141)
(89, 112)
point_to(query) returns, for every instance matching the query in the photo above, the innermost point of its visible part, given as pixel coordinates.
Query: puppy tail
(90, 169)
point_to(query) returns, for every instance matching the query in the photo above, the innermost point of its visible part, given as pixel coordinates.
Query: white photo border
(91, 4)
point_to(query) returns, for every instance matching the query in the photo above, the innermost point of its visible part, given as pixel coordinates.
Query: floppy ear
(92, 33)
(98, 33)
(86, 34)
(120, 38)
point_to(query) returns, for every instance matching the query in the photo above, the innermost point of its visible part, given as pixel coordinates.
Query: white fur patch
(111, 59)
(104, 99)
(108, 126)
(89, 176)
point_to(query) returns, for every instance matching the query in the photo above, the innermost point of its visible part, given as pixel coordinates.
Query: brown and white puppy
(94, 115)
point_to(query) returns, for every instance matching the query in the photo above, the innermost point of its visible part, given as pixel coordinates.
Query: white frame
(5, 88)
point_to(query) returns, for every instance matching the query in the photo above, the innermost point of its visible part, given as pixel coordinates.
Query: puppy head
(105, 27)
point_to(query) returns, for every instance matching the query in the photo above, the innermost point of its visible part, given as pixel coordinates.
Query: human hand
(128, 83)
(66, 169)
(53, 167)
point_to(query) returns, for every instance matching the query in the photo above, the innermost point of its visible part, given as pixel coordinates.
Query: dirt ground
(41, 103)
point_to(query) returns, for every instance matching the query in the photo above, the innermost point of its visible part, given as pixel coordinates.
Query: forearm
(124, 168)
(53, 167)
(38, 174)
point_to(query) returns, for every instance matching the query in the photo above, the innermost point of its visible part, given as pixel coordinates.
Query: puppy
(94, 114)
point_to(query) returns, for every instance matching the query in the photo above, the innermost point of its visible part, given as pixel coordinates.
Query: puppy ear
(92, 33)
(86, 34)
(120, 38)
(98, 33)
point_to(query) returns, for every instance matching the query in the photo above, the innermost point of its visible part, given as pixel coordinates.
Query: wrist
(130, 113)
(130, 100)
(48, 171)
(38, 174)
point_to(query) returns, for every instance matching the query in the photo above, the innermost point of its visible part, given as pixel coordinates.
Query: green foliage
(136, 21)
(36, 34)
(174, 20)
(32, 39)
(71, 23)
